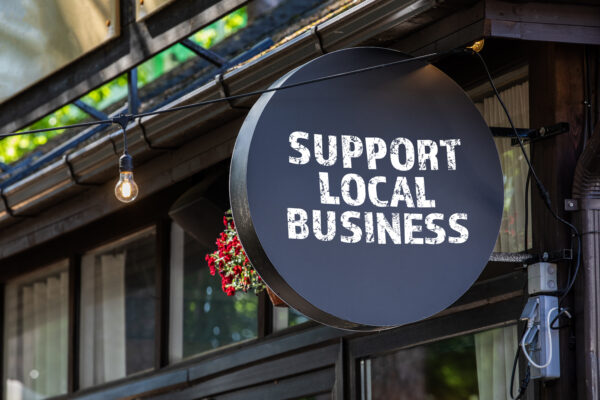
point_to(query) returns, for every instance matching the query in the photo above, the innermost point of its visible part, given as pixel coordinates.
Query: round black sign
(371, 200)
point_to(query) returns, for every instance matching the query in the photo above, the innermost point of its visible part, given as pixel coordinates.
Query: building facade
(106, 300)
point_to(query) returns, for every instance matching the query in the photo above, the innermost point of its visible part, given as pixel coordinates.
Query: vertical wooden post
(74, 318)
(163, 257)
(556, 94)
(264, 315)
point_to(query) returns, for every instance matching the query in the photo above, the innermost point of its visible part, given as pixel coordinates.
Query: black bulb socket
(125, 163)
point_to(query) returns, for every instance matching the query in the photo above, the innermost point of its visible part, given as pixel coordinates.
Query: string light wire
(123, 120)
(236, 96)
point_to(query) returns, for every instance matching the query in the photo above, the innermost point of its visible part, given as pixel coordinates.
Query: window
(514, 168)
(202, 317)
(36, 330)
(471, 367)
(118, 292)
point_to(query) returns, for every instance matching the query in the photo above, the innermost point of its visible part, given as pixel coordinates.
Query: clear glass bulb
(126, 189)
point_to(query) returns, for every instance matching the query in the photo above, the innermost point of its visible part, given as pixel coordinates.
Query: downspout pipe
(586, 193)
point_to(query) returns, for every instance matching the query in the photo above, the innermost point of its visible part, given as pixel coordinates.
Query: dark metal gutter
(586, 192)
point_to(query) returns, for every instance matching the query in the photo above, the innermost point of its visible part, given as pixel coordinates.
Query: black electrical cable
(131, 117)
(524, 381)
(563, 311)
(512, 374)
(57, 128)
(527, 189)
(541, 188)
(123, 120)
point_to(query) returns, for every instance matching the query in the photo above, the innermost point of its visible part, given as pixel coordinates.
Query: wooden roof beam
(536, 21)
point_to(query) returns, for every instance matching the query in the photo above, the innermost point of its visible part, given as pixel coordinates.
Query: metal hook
(8, 208)
(147, 141)
(74, 176)
(123, 120)
(224, 90)
(318, 40)
(114, 144)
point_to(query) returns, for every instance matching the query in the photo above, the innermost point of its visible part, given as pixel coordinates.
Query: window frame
(117, 242)
(262, 303)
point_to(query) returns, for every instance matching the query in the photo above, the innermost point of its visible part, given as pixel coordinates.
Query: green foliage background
(15, 147)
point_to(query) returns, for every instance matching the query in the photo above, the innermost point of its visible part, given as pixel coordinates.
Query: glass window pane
(36, 330)
(118, 292)
(284, 317)
(471, 367)
(514, 167)
(202, 316)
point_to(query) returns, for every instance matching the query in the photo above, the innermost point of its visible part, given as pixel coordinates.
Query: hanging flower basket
(234, 267)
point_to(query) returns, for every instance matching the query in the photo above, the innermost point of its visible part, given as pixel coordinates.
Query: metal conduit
(586, 189)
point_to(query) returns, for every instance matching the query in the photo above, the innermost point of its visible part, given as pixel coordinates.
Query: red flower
(230, 260)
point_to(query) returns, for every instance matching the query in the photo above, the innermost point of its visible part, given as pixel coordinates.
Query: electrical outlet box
(541, 337)
(541, 278)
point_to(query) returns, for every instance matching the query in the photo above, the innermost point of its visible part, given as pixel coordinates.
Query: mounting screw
(108, 22)
(571, 205)
(141, 2)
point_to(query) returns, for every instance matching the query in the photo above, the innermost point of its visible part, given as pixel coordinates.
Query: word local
(376, 223)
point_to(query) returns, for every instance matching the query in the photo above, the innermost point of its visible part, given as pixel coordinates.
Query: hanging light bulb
(126, 190)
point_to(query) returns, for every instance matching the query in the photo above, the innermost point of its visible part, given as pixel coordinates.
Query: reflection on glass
(470, 367)
(202, 316)
(118, 294)
(514, 168)
(285, 317)
(36, 331)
